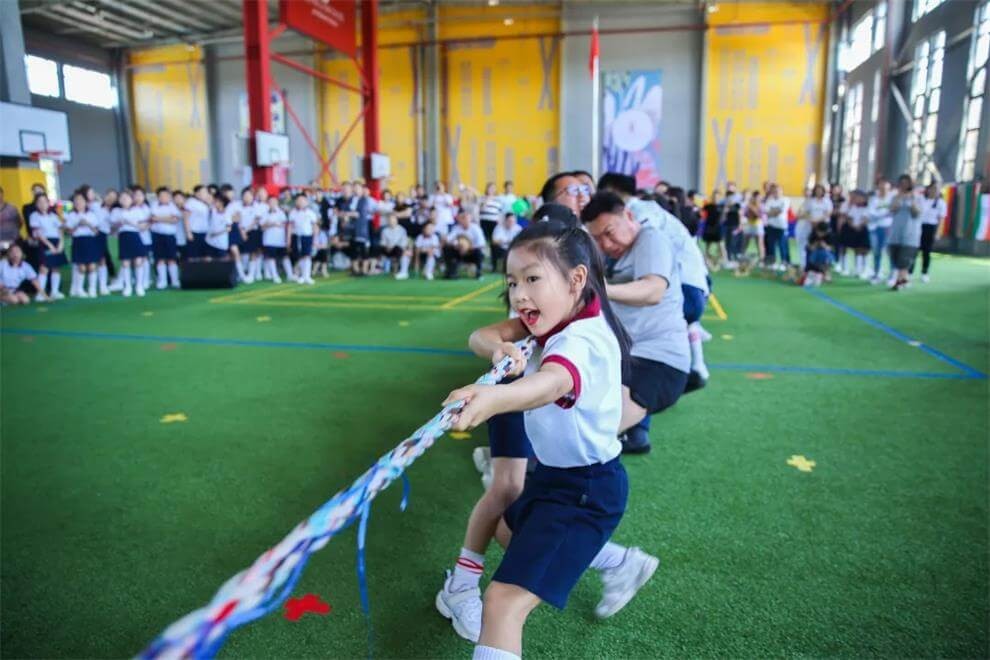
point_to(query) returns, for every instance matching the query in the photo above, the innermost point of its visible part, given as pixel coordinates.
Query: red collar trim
(590, 310)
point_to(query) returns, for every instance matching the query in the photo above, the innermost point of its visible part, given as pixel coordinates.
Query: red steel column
(258, 77)
(369, 61)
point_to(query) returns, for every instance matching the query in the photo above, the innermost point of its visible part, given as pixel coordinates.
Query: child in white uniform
(165, 227)
(304, 223)
(84, 227)
(47, 229)
(427, 248)
(144, 210)
(128, 222)
(815, 209)
(218, 236)
(273, 239)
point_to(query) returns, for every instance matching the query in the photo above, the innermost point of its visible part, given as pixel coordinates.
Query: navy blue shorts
(654, 385)
(274, 252)
(164, 247)
(198, 248)
(85, 250)
(560, 522)
(507, 435)
(253, 242)
(234, 236)
(103, 243)
(53, 259)
(216, 253)
(129, 245)
(302, 246)
(695, 300)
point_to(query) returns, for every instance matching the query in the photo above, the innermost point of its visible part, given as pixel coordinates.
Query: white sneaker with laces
(463, 608)
(402, 276)
(482, 457)
(57, 295)
(624, 581)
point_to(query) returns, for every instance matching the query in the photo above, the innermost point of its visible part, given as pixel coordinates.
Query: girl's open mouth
(529, 316)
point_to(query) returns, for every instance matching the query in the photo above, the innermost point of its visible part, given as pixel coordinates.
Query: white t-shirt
(102, 217)
(144, 213)
(473, 232)
(274, 235)
(880, 215)
(48, 223)
(394, 237)
(165, 211)
(126, 219)
(933, 210)
(859, 216)
(507, 202)
(815, 210)
(199, 215)
(81, 224)
(260, 211)
(426, 243)
(219, 234)
(690, 262)
(302, 221)
(248, 216)
(781, 204)
(444, 204)
(581, 428)
(502, 236)
(11, 276)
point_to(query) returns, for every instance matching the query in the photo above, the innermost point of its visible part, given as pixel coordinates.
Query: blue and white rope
(264, 586)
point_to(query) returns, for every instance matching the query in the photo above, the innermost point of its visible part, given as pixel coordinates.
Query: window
(922, 7)
(856, 51)
(926, 92)
(875, 103)
(976, 80)
(42, 75)
(852, 124)
(88, 87)
(879, 26)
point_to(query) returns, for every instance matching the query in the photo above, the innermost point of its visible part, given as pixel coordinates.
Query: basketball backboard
(26, 130)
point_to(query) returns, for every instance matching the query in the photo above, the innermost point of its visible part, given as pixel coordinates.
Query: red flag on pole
(593, 56)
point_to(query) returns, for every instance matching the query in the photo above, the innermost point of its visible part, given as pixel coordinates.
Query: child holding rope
(572, 399)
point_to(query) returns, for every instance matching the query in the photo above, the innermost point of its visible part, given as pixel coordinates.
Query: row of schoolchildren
(828, 229)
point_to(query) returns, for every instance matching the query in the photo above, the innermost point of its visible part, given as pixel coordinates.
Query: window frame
(969, 132)
(28, 58)
(72, 69)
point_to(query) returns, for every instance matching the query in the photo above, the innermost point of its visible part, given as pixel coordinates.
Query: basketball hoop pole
(258, 77)
(369, 51)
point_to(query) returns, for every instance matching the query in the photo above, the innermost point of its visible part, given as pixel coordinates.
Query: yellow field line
(306, 293)
(470, 296)
(717, 307)
(274, 290)
(289, 302)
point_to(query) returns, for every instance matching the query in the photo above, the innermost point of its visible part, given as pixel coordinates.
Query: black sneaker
(635, 441)
(694, 382)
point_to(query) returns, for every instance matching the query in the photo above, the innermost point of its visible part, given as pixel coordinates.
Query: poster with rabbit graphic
(631, 124)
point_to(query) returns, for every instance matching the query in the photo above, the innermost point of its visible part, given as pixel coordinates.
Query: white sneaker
(161, 286)
(127, 292)
(309, 280)
(624, 581)
(705, 335)
(104, 291)
(57, 295)
(176, 285)
(463, 608)
(402, 276)
(482, 457)
(139, 291)
(116, 285)
(429, 276)
(925, 279)
(277, 280)
(248, 280)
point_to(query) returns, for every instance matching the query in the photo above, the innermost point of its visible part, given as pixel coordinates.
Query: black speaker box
(208, 275)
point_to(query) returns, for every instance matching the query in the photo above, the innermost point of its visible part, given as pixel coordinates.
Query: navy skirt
(302, 246)
(103, 244)
(164, 247)
(86, 250)
(560, 522)
(234, 236)
(53, 259)
(198, 248)
(130, 246)
(272, 252)
(253, 242)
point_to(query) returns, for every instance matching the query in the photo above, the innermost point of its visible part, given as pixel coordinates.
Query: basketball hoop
(52, 156)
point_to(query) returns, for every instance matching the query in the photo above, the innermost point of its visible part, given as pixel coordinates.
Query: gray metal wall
(678, 54)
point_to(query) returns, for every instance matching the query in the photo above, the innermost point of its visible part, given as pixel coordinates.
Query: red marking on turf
(759, 375)
(340, 355)
(168, 347)
(296, 607)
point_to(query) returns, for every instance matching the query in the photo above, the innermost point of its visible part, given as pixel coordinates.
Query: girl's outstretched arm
(549, 384)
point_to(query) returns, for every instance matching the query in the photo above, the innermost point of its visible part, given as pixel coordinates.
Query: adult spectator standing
(645, 289)
(905, 230)
(502, 237)
(933, 209)
(490, 212)
(508, 197)
(10, 223)
(443, 203)
(465, 242)
(880, 221)
(31, 245)
(776, 207)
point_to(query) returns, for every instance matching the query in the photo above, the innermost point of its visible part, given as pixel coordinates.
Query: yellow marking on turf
(460, 435)
(263, 319)
(302, 293)
(147, 313)
(801, 463)
(42, 310)
(471, 296)
(717, 307)
(293, 301)
(728, 337)
(173, 417)
(403, 324)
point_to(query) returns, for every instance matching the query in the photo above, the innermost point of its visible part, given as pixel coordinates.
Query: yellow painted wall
(170, 141)
(764, 90)
(16, 183)
(501, 111)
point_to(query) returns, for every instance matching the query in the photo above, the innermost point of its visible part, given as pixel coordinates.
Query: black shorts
(28, 287)
(358, 250)
(654, 385)
(393, 252)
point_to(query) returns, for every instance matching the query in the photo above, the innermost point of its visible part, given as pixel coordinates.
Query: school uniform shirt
(426, 243)
(503, 236)
(816, 210)
(144, 213)
(274, 236)
(932, 211)
(166, 211)
(11, 276)
(658, 332)
(880, 215)
(127, 219)
(859, 216)
(102, 218)
(444, 204)
(48, 223)
(473, 232)
(691, 266)
(580, 428)
(393, 237)
(219, 231)
(199, 215)
(259, 211)
(81, 224)
(781, 204)
(302, 221)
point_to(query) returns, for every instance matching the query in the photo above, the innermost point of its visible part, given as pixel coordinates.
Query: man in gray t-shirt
(645, 290)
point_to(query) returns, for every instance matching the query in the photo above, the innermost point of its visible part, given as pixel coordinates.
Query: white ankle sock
(102, 276)
(404, 265)
(287, 265)
(492, 653)
(697, 351)
(56, 281)
(173, 272)
(611, 556)
(467, 570)
(162, 275)
(92, 282)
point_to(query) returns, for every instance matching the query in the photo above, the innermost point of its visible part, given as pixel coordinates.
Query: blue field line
(370, 348)
(883, 327)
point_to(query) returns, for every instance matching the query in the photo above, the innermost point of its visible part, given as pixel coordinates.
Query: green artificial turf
(115, 524)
